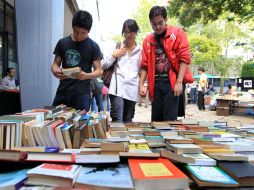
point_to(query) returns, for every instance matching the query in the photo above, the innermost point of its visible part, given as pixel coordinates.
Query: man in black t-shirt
(77, 50)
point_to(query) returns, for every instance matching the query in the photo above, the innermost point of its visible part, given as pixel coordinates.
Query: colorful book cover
(12, 180)
(58, 170)
(139, 148)
(211, 174)
(154, 169)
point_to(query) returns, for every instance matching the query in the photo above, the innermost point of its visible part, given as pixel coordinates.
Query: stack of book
(160, 155)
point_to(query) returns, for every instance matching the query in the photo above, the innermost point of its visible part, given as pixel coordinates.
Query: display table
(226, 106)
(9, 102)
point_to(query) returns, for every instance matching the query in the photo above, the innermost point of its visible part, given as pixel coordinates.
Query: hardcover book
(57, 175)
(159, 174)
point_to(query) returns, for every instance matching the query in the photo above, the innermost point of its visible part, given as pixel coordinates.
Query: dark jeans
(165, 104)
(97, 100)
(121, 110)
(193, 95)
(79, 102)
(201, 100)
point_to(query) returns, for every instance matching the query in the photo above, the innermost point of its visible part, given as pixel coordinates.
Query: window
(10, 19)
(12, 50)
(1, 14)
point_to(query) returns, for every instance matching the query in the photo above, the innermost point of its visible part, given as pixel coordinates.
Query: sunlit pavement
(143, 114)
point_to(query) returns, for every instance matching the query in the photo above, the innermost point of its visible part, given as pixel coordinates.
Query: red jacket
(177, 48)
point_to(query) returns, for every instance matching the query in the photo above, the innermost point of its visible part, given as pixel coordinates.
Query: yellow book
(218, 150)
(141, 148)
(155, 169)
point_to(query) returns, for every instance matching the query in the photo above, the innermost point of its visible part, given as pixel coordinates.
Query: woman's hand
(119, 52)
(142, 91)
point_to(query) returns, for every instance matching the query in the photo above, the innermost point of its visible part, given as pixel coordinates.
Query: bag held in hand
(107, 73)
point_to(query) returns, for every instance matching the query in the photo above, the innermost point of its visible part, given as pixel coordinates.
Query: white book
(59, 137)
(185, 148)
(97, 158)
(118, 139)
(138, 141)
(8, 137)
(13, 135)
(240, 145)
(70, 71)
(114, 177)
(55, 170)
(201, 160)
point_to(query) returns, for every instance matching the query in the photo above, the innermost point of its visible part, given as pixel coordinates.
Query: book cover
(178, 158)
(139, 148)
(237, 169)
(13, 179)
(114, 177)
(185, 148)
(58, 170)
(211, 174)
(157, 174)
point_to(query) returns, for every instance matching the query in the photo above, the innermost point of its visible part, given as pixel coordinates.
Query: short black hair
(82, 19)
(131, 25)
(157, 11)
(229, 86)
(8, 70)
(200, 68)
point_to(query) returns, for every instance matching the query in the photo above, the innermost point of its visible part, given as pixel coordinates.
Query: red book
(159, 174)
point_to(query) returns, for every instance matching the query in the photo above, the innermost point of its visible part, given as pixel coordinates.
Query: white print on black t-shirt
(72, 57)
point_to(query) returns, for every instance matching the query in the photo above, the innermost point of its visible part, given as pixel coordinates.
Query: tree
(204, 50)
(141, 15)
(191, 11)
(248, 69)
(212, 44)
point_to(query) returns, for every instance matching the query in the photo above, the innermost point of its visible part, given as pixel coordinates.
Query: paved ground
(143, 114)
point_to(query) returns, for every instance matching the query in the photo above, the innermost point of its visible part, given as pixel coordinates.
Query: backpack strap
(118, 45)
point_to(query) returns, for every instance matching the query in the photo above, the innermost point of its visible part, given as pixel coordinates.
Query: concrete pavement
(143, 114)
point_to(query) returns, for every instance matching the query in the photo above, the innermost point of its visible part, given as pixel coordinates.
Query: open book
(68, 72)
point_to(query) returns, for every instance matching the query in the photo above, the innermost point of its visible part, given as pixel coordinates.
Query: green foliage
(248, 69)
(203, 50)
(141, 15)
(191, 11)
(117, 38)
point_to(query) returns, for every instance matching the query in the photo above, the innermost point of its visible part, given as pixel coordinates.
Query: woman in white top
(123, 90)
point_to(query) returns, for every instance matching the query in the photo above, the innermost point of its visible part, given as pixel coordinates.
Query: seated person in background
(228, 90)
(9, 80)
(210, 89)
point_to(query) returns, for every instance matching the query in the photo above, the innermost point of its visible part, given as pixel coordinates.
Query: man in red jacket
(165, 57)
